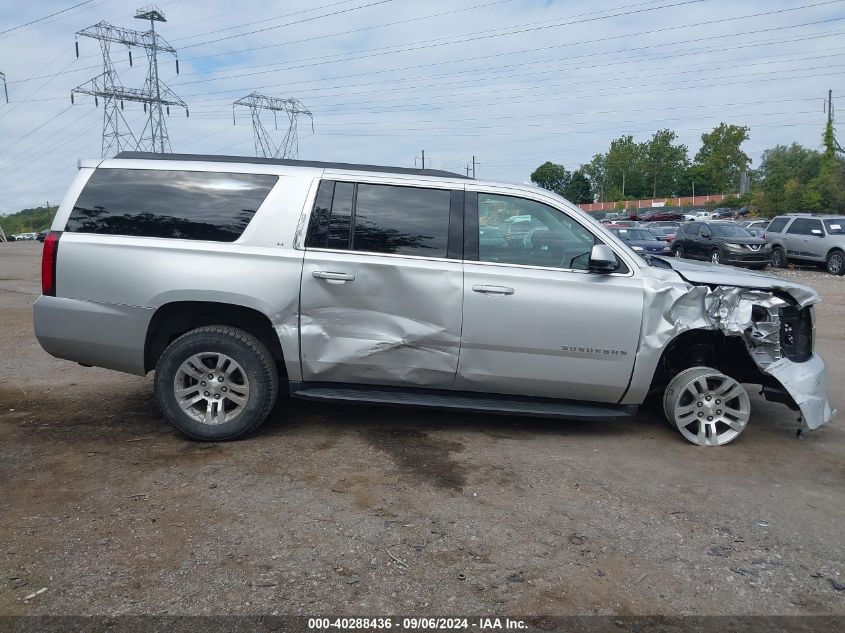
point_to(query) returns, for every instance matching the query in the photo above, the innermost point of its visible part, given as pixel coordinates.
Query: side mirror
(602, 260)
(706, 235)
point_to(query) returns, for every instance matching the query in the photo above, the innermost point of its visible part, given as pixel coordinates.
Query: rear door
(536, 323)
(382, 284)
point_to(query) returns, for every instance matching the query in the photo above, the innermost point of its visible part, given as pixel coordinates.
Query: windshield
(834, 227)
(728, 230)
(639, 235)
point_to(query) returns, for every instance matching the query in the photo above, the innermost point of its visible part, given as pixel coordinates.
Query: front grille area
(796, 333)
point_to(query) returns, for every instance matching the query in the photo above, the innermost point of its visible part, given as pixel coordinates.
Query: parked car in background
(22, 237)
(721, 243)
(625, 223)
(756, 231)
(658, 215)
(722, 213)
(664, 223)
(664, 233)
(808, 239)
(641, 240)
(43, 234)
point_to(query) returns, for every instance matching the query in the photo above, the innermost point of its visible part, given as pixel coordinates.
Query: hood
(648, 245)
(705, 273)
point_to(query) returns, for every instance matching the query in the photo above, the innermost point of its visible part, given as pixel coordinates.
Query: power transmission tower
(155, 96)
(5, 87)
(264, 144)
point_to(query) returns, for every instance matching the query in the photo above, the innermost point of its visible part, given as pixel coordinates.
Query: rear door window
(776, 225)
(188, 205)
(381, 219)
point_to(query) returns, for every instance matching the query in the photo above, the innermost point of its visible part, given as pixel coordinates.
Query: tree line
(28, 220)
(789, 178)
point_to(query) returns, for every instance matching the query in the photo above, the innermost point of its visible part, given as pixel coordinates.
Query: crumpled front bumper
(807, 384)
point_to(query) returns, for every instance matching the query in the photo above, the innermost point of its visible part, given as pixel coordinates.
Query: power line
(20, 26)
(270, 28)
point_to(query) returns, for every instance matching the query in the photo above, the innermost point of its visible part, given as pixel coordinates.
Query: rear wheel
(216, 383)
(836, 262)
(778, 258)
(706, 406)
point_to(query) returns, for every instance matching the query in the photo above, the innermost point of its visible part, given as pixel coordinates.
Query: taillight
(48, 263)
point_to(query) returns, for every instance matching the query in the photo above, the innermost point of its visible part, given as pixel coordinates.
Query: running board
(475, 403)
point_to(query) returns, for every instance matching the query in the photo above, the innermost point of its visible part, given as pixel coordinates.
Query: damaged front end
(772, 319)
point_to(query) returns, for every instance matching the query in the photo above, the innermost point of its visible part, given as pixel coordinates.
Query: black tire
(779, 259)
(248, 352)
(835, 262)
(716, 256)
(678, 251)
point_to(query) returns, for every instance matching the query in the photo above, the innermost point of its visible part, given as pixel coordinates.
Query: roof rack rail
(253, 160)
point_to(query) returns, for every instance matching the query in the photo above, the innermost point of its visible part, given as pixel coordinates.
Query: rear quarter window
(188, 205)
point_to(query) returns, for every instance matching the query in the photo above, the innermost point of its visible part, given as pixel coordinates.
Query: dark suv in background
(721, 243)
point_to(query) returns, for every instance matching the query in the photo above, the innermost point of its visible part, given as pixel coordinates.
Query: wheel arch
(711, 348)
(175, 318)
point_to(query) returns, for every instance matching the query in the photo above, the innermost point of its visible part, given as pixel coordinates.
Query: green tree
(721, 157)
(665, 162)
(625, 162)
(578, 189)
(785, 172)
(551, 176)
(596, 173)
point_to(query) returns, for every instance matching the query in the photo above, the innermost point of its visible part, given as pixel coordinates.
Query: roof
(292, 163)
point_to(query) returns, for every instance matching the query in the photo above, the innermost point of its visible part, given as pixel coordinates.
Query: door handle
(333, 277)
(493, 290)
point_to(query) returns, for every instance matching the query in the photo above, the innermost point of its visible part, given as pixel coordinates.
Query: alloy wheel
(211, 387)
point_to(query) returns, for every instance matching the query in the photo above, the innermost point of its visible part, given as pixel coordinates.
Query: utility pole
(422, 159)
(474, 163)
(468, 169)
(155, 96)
(264, 145)
(5, 87)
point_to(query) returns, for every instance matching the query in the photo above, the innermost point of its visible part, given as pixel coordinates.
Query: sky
(512, 82)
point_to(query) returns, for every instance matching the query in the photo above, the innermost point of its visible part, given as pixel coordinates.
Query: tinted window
(402, 220)
(519, 231)
(692, 229)
(805, 226)
(728, 230)
(776, 225)
(341, 219)
(189, 205)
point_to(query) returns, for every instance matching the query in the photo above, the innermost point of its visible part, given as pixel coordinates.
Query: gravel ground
(364, 510)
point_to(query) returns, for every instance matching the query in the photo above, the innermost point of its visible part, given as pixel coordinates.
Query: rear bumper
(103, 335)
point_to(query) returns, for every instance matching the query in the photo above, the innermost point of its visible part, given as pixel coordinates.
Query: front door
(535, 321)
(381, 293)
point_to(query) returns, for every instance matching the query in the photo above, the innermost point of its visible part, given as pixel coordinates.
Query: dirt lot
(373, 511)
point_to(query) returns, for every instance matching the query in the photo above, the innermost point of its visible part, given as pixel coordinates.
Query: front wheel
(678, 251)
(836, 262)
(778, 258)
(216, 383)
(706, 406)
(716, 256)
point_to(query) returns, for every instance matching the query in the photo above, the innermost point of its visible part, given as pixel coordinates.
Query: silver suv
(233, 278)
(808, 239)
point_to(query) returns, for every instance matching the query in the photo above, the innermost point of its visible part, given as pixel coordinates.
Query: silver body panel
(401, 320)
